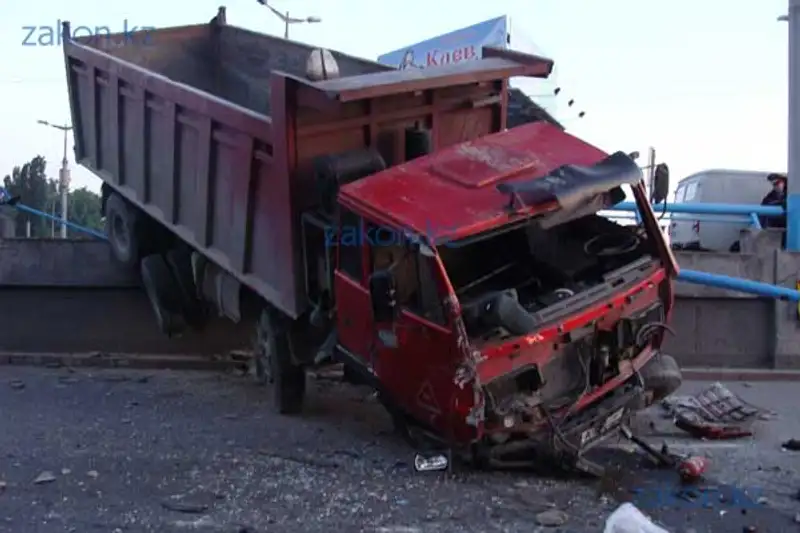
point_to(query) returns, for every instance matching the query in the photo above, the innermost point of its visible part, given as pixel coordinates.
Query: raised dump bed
(227, 61)
(212, 134)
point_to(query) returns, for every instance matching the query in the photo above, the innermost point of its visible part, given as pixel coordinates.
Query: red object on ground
(693, 468)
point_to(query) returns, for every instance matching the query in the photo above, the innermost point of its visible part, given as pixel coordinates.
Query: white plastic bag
(628, 519)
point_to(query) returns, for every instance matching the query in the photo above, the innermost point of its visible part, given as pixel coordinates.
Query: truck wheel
(122, 223)
(180, 265)
(273, 366)
(161, 289)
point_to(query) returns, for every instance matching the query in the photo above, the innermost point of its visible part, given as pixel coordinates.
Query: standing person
(777, 196)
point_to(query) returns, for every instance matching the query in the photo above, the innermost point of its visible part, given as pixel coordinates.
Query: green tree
(30, 183)
(85, 210)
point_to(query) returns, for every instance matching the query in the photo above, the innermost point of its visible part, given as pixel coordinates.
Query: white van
(717, 186)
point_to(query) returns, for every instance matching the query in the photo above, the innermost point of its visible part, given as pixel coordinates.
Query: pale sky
(702, 81)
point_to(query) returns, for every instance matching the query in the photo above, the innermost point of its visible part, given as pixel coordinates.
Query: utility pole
(287, 20)
(63, 175)
(793, 170)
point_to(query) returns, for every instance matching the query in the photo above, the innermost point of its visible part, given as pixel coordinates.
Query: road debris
(44, 477)
(692, 469)
(713, 413)
(792, 445)
(552, 518)
(184, 507)
(628, 519)
(429, 463)
(17, 384)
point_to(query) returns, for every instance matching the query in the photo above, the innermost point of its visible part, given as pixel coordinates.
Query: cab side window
(416, 285)
(350, 242)
(431, 305)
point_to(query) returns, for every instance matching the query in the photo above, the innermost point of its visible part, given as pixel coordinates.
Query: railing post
(793, 185)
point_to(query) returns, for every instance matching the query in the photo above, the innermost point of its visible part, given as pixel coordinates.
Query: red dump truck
(382, 219)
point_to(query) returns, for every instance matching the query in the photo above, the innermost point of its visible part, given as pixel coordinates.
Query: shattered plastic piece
(429, 463)
(628, 519)
(714, 413)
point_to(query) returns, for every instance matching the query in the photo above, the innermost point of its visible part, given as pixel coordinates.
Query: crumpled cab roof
(452, 193)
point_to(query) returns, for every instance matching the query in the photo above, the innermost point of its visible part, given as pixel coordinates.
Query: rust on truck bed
(213, 131)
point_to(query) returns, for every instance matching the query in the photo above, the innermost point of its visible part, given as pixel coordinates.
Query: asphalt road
(180, 452)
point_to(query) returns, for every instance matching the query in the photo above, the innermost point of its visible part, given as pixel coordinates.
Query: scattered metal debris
(714, 413)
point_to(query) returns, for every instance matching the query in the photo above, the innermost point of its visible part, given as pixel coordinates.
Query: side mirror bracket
(659, 189)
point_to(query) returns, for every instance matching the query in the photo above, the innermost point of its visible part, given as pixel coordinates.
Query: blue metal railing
(4, 200)
(708, 209)
(702, 212)
(722, 213)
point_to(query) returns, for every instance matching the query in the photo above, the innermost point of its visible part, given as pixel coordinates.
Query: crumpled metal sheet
(713, 413)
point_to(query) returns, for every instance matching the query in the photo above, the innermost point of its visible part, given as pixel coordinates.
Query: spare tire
(333, 171)
(122, 229)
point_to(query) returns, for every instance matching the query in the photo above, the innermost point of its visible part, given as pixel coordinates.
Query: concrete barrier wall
(64, 296)
(61, 263)
(73, 295)
(724, 328)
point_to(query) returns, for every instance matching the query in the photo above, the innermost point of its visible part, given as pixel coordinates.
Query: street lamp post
(63, 174)
(287, 20)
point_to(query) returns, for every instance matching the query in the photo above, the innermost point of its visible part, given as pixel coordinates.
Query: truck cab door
(353, 307)
(414, 354)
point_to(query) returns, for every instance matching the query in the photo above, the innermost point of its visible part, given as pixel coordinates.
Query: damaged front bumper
(563, 441)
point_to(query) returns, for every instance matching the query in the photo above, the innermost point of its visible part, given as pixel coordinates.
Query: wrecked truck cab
(492, 306)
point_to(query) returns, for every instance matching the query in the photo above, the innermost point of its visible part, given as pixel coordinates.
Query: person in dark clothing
(777, 196)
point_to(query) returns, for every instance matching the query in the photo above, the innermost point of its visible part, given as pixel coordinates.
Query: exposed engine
(512, 283)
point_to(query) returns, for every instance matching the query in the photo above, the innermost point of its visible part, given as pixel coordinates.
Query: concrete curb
(206, 363)
(739, 374)
(133, 361)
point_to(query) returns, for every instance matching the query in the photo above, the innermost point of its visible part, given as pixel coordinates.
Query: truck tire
(122, 229)
(333, 171)
(161, 289)
(273, 366)
(180, 265)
